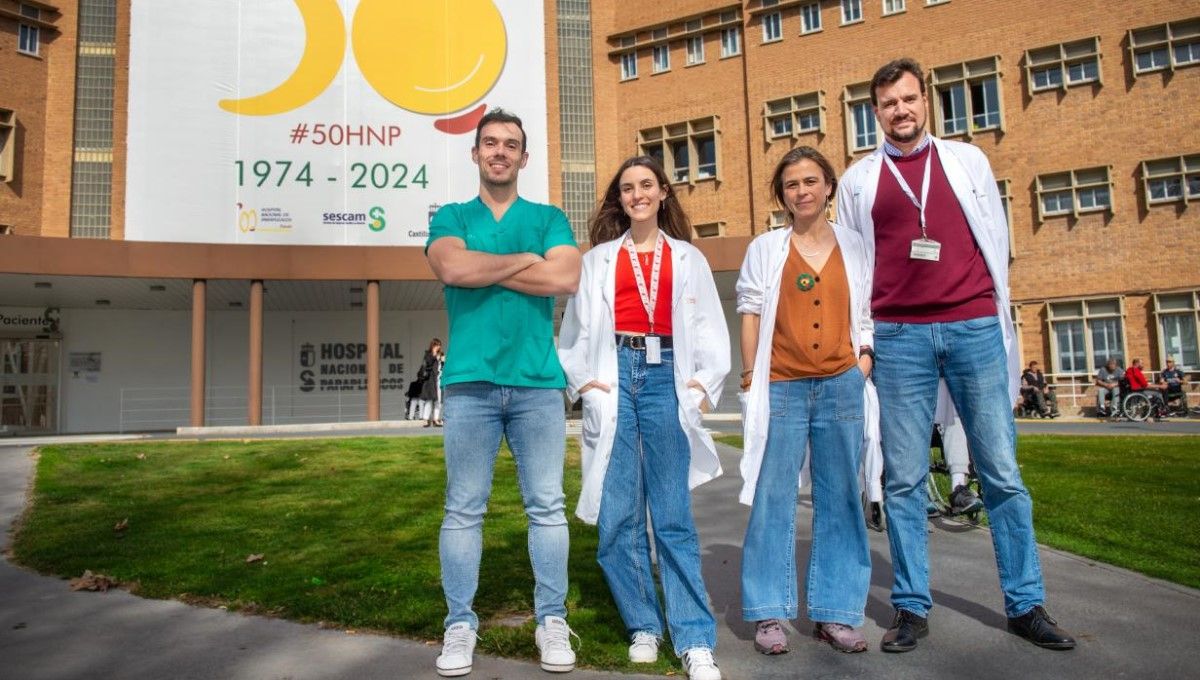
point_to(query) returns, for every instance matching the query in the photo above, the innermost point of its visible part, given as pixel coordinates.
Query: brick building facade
(1076, 105)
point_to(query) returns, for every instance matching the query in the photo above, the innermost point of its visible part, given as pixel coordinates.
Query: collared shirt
(895, 152)
(499, 335)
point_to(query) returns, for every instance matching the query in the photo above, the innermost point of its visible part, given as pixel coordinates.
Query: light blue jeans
(970, 356)
(533, 422)
(649, 468)
(825, 414)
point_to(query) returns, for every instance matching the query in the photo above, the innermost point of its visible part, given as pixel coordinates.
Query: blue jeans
(826, 415)
(534, 423)
(970, 356)
(649, 467)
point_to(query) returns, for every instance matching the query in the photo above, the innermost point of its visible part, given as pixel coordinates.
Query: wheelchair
(1137, 405)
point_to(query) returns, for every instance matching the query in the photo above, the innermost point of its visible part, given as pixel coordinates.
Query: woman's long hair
(608, 220)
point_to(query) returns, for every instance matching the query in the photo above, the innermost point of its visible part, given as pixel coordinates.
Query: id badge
(653, 349)
(925, 249)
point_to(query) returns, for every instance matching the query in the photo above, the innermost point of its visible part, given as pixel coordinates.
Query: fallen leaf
(141, 456)
(257, 557)
(122, 525)
(351, 632)
(227, 456)
(94, 582)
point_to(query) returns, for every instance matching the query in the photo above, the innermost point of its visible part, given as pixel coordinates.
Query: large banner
(321, 121)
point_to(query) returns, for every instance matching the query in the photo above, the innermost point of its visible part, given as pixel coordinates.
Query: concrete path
(1128, 625)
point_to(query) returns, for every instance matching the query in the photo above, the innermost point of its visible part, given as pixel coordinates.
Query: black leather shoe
(906, 629)
(1043, 631)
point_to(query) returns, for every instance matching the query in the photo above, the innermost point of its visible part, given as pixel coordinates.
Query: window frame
(1074, 185)
(1193, 311)
(857, 5)
(629, 67)
(8, 145)
(28, 33)
(855, 95)
(1185, 165)
(695, 38)
(805, 12)
(660, 47)
(898, 7)
(943, 79)
(731, 35)
(665, 137)
(716, 229)
(1004, 188)
(769, 20)
(797, 105)
(1145, 40)
(1061, 58)
(777, 219)
(1085, 316)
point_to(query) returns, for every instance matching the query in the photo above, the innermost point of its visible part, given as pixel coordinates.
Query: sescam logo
(374, 219)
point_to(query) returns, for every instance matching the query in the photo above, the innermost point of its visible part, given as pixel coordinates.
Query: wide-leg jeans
(825, 415)
(648, 467)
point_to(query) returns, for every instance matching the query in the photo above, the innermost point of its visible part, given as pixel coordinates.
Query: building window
(778, 220)
(1086, 334)
(1006, 201)
(892, 7)
(851, 11)
(1057, 67)
(695, 44)
(661, 54)
(629, 65)
(1178, 314)
(794, 116)
(687, 151)
(810, 18)
(860, 118)
(731, 37)
(1165, 46)
(27, 34)
(936, 2)
(8, 143)
(967, 97)
(772, 27)
(1074, 192)
(709, 229)
(1168, 180)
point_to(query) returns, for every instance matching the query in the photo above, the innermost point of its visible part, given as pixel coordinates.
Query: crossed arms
(555, 274)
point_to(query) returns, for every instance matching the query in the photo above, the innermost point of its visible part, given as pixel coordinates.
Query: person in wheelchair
(1108, 384)
(1171, 384)
(1138, 383)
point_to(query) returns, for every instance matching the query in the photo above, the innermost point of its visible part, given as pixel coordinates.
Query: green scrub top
(498, 335)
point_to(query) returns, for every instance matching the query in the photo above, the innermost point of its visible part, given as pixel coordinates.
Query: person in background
(431, 386)
(1108, 384)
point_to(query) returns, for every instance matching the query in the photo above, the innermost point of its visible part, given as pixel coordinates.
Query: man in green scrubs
(503, 259)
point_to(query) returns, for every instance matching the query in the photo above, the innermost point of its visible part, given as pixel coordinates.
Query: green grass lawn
(348, 530)
(1128, 501)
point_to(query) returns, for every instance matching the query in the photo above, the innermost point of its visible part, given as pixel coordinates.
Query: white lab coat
(970, 176)
(587, 350)
(758, 289)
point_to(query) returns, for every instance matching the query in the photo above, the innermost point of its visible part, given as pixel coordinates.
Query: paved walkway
(1128, 625)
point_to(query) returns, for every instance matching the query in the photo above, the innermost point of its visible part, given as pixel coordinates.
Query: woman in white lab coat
(804, 297)
(645, 345)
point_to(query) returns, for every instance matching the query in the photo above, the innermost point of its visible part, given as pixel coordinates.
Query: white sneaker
(698, 661)
(644, 648)
(553, 639)
(458, 646)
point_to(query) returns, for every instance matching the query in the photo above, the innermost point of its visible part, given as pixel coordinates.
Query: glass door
(29, 385)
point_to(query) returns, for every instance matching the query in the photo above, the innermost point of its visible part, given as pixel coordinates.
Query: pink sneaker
(769, 637)
(841, 637)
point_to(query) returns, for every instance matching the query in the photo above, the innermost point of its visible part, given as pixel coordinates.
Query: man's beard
(909, 137)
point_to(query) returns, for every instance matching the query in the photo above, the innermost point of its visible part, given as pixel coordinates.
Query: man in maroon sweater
(931, 217)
